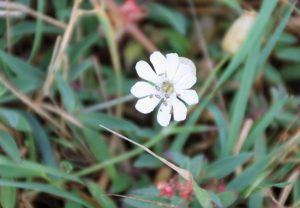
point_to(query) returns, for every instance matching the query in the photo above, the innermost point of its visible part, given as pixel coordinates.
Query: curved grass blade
(9, 145)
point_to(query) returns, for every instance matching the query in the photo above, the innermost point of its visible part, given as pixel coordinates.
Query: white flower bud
(238, 32)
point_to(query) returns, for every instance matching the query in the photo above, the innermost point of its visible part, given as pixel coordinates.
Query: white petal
(172, 65)
(189, 63)
(164, 114)
(147, 104)
(186, 82)
(145, 72)
(159, 62)
(179, 110)
(181, 71)
(190, 97)
(142, 89)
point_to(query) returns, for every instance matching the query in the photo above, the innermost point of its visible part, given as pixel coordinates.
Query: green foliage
(168, 16)
(51, 142)
(9, 146)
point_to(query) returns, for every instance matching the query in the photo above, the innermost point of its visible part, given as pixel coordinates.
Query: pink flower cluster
(174, 186)
(131, 11)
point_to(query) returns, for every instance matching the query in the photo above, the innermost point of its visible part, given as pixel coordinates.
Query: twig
(65, 115)
(244, 133)
(7, 13)
(270, 194)
(59, 56)
(287, 190)
(30, 103)
(182, 172)
(50, 70)
(25, 9)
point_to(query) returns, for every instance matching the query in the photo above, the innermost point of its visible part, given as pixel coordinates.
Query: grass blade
(38, 31)
(240, 101)
(9, 145)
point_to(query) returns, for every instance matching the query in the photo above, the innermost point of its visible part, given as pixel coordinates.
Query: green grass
(70, 68)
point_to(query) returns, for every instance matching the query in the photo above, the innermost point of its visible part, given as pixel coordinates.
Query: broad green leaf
(178, 42)
(165, 15)
(272, 76)
(287, 38)
(77, 70)
(228, 198)
(14, 119)
(221, 124)
(215, 199)
(61, 10)
(8, 197)
(291, 72)
(147, 161)
(289, 54)
(66, 93)
(202, 196)
(256, 200)
(8, 144)
(21, 68)
(195, 166)
(42, 140)
(80, 49)
(121, 183)
(226, 165)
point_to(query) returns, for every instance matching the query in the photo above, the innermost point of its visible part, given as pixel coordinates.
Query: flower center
(167, 87)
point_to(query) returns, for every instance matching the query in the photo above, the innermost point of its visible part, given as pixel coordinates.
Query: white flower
(169, 85)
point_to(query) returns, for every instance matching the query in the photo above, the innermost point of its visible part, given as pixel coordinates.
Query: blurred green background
(67, 66)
